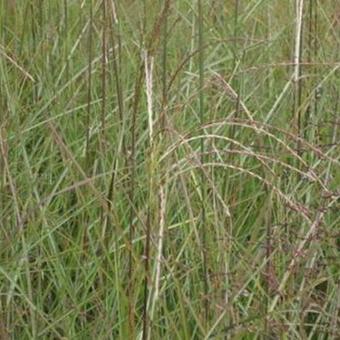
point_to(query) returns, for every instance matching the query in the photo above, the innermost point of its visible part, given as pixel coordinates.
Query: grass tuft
(169, 169)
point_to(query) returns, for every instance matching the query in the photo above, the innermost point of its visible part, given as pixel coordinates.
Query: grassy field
(169, 169)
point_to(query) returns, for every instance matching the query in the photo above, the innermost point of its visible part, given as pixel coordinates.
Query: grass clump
(169, 169)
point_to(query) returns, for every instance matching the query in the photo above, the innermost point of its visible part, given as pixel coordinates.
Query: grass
(169, 169)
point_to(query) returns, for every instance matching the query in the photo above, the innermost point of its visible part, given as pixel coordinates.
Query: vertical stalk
(164, 71)
(153, 298)
(132, 166)
(236, 60)
(203, 191)
(89, 85)
(33, 26)
(315, 53)
(148, 63)
(235, 47)
(34, 38)
(311, 58)
(235, 84)
(117, 79)
(309, 55)
(66, 39)
(104, 59)
(270, 277)
(103, 108)
(297, 69)
(132, 232)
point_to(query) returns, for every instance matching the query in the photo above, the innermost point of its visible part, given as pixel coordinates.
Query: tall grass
(169, 169)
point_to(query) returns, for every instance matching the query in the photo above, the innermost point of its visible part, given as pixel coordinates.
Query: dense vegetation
(169, 169)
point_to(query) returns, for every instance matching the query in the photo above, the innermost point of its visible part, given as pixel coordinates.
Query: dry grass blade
(232, 94)
(13, 62)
